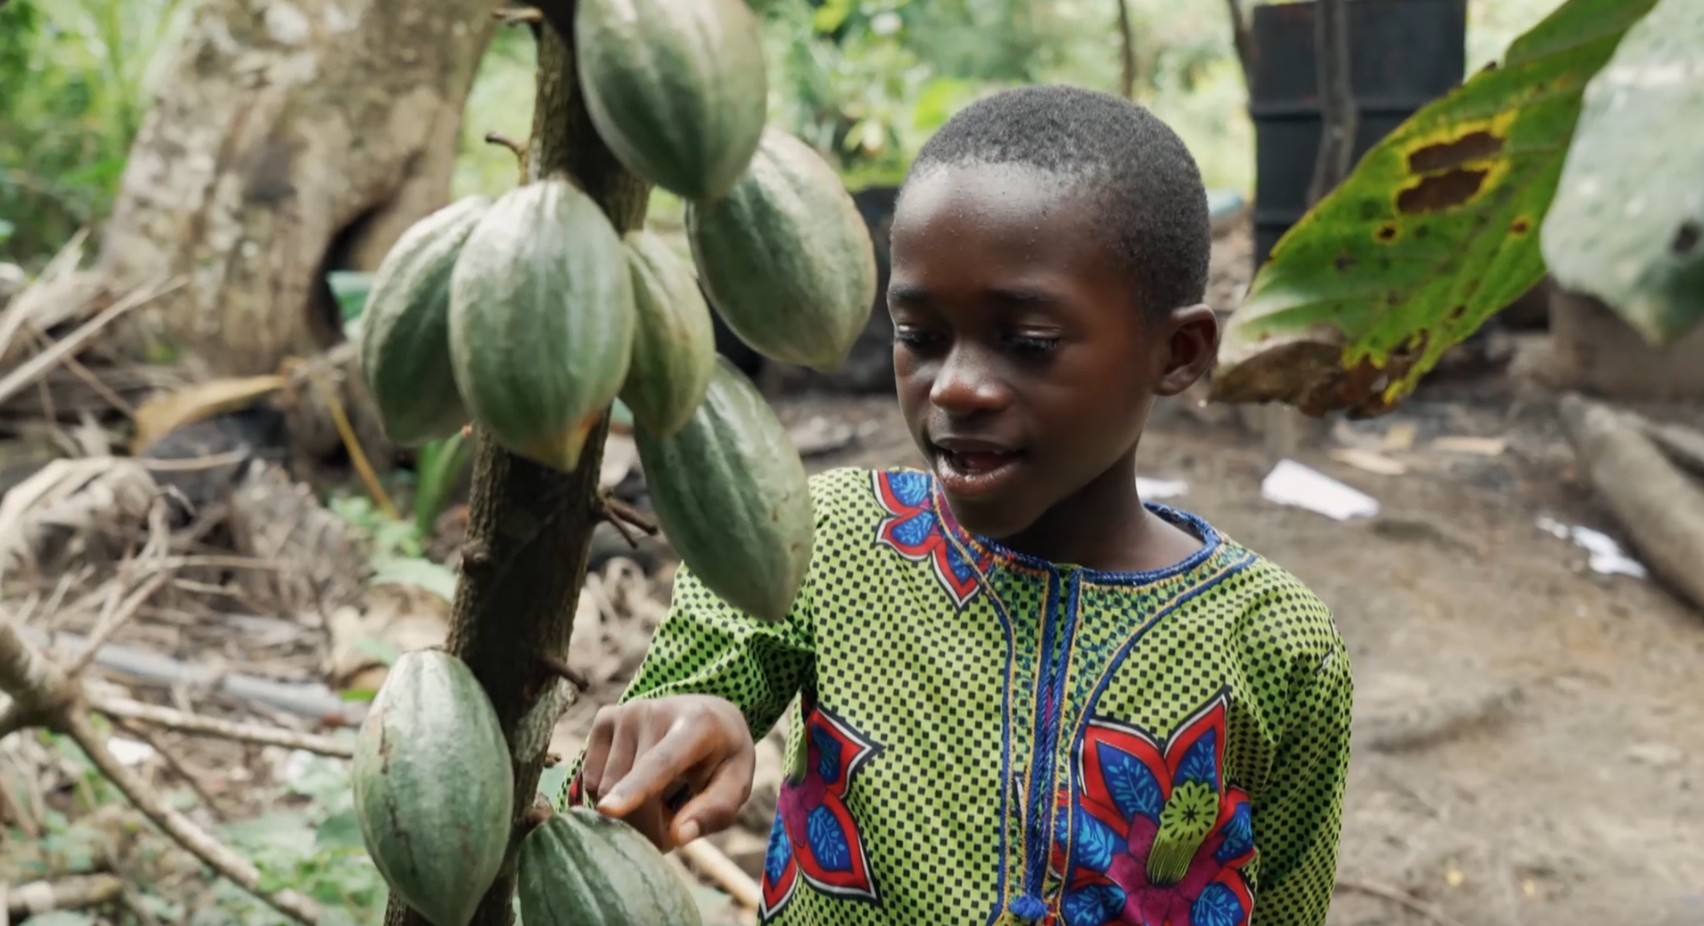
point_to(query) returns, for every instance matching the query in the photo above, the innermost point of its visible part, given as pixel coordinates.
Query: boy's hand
(646, 757)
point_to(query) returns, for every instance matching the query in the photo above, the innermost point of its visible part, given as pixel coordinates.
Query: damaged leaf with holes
(1434, 231)
(1628, 222)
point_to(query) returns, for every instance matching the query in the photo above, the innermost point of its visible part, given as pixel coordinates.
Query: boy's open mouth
(974, 467)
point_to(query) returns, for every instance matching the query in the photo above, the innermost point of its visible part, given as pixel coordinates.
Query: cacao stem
(529, 526)
(520, 150)
(565, 672)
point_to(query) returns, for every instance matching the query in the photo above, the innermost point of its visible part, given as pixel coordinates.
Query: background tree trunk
(530, 527)
(294, 137)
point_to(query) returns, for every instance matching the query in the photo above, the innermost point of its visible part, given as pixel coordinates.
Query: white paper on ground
(1291, 483)
(1150, 489)
(1605, 555)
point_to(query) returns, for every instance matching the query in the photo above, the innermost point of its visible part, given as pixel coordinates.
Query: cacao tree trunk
(530, 527)
(293, 137)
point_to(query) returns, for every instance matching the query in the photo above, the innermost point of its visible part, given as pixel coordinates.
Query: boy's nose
(968, 384)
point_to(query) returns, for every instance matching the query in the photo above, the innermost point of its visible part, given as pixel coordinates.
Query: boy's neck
(1104, 526)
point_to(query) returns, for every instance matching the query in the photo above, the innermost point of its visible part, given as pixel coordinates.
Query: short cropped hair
(1135, 168)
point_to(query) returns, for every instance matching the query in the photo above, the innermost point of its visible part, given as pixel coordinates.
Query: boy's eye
(1034, 343)
(912, 336)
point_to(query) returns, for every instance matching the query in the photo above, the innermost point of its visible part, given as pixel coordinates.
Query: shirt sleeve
(1299, 816)
(707, 646)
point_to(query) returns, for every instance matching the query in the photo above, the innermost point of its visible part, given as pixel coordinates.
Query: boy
(1025, 695)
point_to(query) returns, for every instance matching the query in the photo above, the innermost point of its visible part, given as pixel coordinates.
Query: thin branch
(565, 672)
(1242, 38)
(179, 827)
(71, 893)
(29, 371)
(1126, 51)
(1339, 121)
(39, 689)
(109, 624)
(169, 756)
(621, 514)
(126, 709)
(518, 15)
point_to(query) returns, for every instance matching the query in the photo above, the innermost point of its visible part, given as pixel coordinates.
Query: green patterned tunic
(980, 737)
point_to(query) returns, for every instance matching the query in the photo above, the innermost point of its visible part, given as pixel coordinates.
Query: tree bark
(530, 527)
(295, 137)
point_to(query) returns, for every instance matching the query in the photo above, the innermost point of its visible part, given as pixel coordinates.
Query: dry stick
(515, 16)
(1243, 40)
(179, 827)
(126, 709)
(1402, 898)
(12, 319)
(70, 893)
(108, 625)
(89, 378)
(352, 444)
(169, 756)
(494, 138)
(27, 372)
(711, 863)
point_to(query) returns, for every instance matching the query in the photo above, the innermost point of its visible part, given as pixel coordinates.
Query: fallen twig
(42, 694)
(1399, 897)
(169, 756)
(179, 827)
(110, 623)
(69, 893)
(126, 709)
(30, 370)
(711, 863)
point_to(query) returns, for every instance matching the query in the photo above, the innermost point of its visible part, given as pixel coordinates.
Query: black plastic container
(1403, 55)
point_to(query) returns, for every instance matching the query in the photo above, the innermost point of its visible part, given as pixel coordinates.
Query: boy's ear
(1192, 343)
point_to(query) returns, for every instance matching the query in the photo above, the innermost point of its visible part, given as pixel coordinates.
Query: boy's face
(1024, 362)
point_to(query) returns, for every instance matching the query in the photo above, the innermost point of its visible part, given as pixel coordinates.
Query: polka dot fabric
(980, 737)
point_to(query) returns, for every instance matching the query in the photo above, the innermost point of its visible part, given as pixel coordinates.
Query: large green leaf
(1434, 231)
(1628, 222)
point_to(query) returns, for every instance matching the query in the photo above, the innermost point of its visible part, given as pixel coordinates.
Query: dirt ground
(1528, 745)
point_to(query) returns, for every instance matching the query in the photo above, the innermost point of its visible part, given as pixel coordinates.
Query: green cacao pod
(433, 786)
(731, 494)
(674, 348)
(405, 328)
(581, 868)
(785, 257)
(541, 320)
(676, 88)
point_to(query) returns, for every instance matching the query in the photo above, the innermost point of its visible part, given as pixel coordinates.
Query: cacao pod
(731, 494)
(785, 257)
(674, 347)
(405, 328)
(433, 786)
(676, 88)
(541, 320)
(581, 868)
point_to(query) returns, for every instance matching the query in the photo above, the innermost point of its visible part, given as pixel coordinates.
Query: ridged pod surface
(731, 494)
(433, 787)
(674, 348)
(785, 257)
(541, 320)
(581, 868)
(676, 88)
(405, 329)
